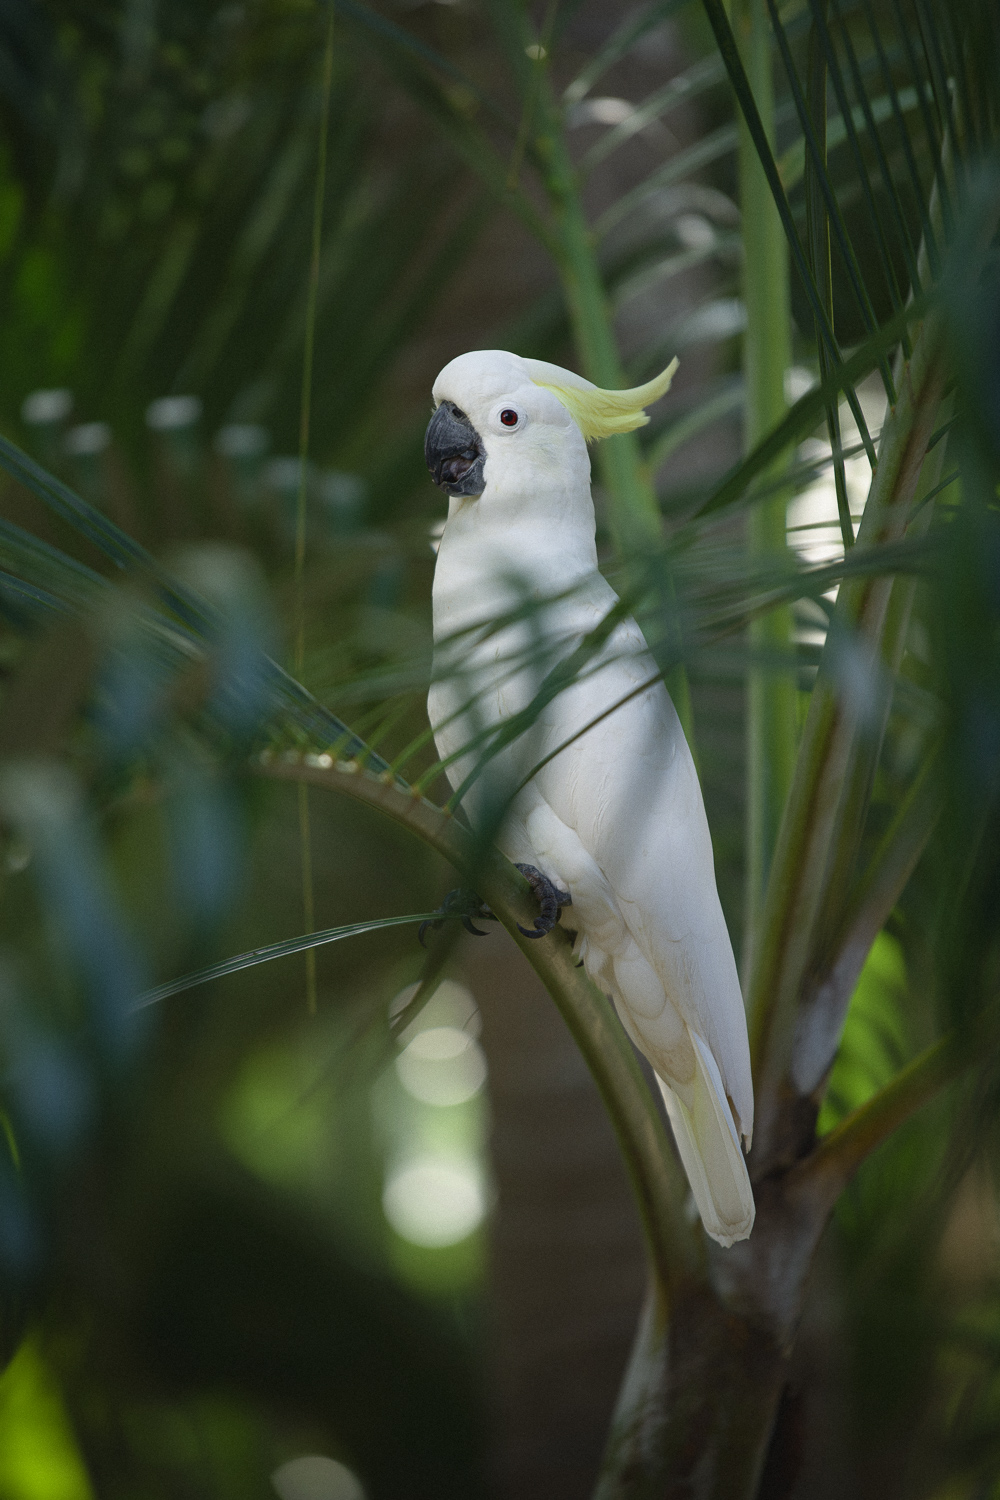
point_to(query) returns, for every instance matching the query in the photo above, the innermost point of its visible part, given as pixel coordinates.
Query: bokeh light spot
(434, 1202)
(450, 1005)
(313, 1477)
(442, 1066)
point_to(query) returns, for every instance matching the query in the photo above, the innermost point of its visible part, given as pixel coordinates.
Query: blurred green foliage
(40, 1455)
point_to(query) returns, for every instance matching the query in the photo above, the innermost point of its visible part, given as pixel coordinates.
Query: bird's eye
(506, 418)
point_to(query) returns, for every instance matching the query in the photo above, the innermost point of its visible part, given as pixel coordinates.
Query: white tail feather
(710, 1150)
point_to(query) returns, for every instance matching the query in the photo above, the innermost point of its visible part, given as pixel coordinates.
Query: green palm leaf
(271, 951)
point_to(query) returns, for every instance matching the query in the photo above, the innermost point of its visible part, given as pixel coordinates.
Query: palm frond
(264, 955)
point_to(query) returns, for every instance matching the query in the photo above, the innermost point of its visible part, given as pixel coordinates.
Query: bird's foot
(549, 897)
(458, 903)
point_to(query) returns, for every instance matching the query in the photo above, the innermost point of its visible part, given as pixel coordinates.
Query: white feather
(616, 816)
(706, 1139)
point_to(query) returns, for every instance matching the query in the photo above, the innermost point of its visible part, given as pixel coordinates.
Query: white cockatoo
(614, 816)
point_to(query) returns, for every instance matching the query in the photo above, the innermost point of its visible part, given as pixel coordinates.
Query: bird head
(534, 416)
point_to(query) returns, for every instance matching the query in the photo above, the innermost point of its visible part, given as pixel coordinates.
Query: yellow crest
(599, 414)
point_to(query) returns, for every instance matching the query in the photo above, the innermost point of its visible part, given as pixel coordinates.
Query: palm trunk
(703, 1388)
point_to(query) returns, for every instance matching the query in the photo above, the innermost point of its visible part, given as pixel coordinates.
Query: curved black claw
(549, 897)
(458, 903)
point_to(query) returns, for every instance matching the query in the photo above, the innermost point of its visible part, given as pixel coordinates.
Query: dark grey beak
(454, 452)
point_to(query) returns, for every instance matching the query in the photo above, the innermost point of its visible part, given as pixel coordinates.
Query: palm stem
(771, 726)
(635, 519)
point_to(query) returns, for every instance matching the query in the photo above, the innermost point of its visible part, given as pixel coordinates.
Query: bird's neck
(500, 549)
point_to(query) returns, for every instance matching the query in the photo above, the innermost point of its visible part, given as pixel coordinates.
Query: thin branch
(305, 416)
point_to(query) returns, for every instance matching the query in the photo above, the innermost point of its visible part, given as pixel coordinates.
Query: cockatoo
(602, 792)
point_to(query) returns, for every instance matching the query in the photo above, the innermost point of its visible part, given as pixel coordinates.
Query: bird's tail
(710, 1150)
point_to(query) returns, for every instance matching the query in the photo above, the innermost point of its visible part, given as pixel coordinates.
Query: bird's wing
(628, 788)
(622, 779)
